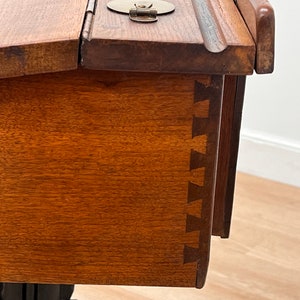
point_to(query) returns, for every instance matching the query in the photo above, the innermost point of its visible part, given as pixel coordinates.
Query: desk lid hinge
(89, 16)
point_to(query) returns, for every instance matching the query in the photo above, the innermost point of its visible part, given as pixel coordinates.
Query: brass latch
(144, 13)
(141, 11)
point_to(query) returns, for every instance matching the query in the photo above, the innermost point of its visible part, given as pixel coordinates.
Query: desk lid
(39, 36)
(200, 36)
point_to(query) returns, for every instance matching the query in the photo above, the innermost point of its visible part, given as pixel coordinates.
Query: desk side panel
(107, 178)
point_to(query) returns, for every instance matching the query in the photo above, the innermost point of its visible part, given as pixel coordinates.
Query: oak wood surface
(107, 177)
(39, 36)
(259, 261)
(260, 19)
(176, 43)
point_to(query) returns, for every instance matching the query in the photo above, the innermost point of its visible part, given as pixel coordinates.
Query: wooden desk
(118, 168)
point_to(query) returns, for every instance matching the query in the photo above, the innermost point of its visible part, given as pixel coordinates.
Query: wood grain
(95, 171)
(260, 19)
(233, 98)
(213, 36)
(39, 36)
(259, 261)
(173, 44)
(213, 93)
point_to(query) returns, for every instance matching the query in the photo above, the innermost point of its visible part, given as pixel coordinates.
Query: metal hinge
(88, 21)
(91, 6)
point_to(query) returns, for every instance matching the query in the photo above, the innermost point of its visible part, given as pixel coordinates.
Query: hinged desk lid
(204, 36)
(39, 36)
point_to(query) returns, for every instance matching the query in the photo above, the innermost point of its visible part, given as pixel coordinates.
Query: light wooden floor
(259, 261)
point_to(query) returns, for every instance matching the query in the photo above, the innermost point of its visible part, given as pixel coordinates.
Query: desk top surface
(201, 36)
(39, 36)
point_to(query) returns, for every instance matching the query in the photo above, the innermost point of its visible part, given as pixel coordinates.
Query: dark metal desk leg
(47, 292)
(66, 291)
(19, 291)
(11, 291)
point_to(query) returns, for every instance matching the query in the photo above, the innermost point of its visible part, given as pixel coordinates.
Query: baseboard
(269, 157)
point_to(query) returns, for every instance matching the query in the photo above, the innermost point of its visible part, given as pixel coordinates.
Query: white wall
(270, 135)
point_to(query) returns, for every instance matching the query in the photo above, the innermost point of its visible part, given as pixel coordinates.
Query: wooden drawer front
(107, 177)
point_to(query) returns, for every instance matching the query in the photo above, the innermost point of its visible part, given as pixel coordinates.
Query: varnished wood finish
(224, 154)
(259, 261)
(259, 17)
(212, 94)
(176, 43)
(213, 36)
(233, 99)
(39, 36)
(107, 178)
